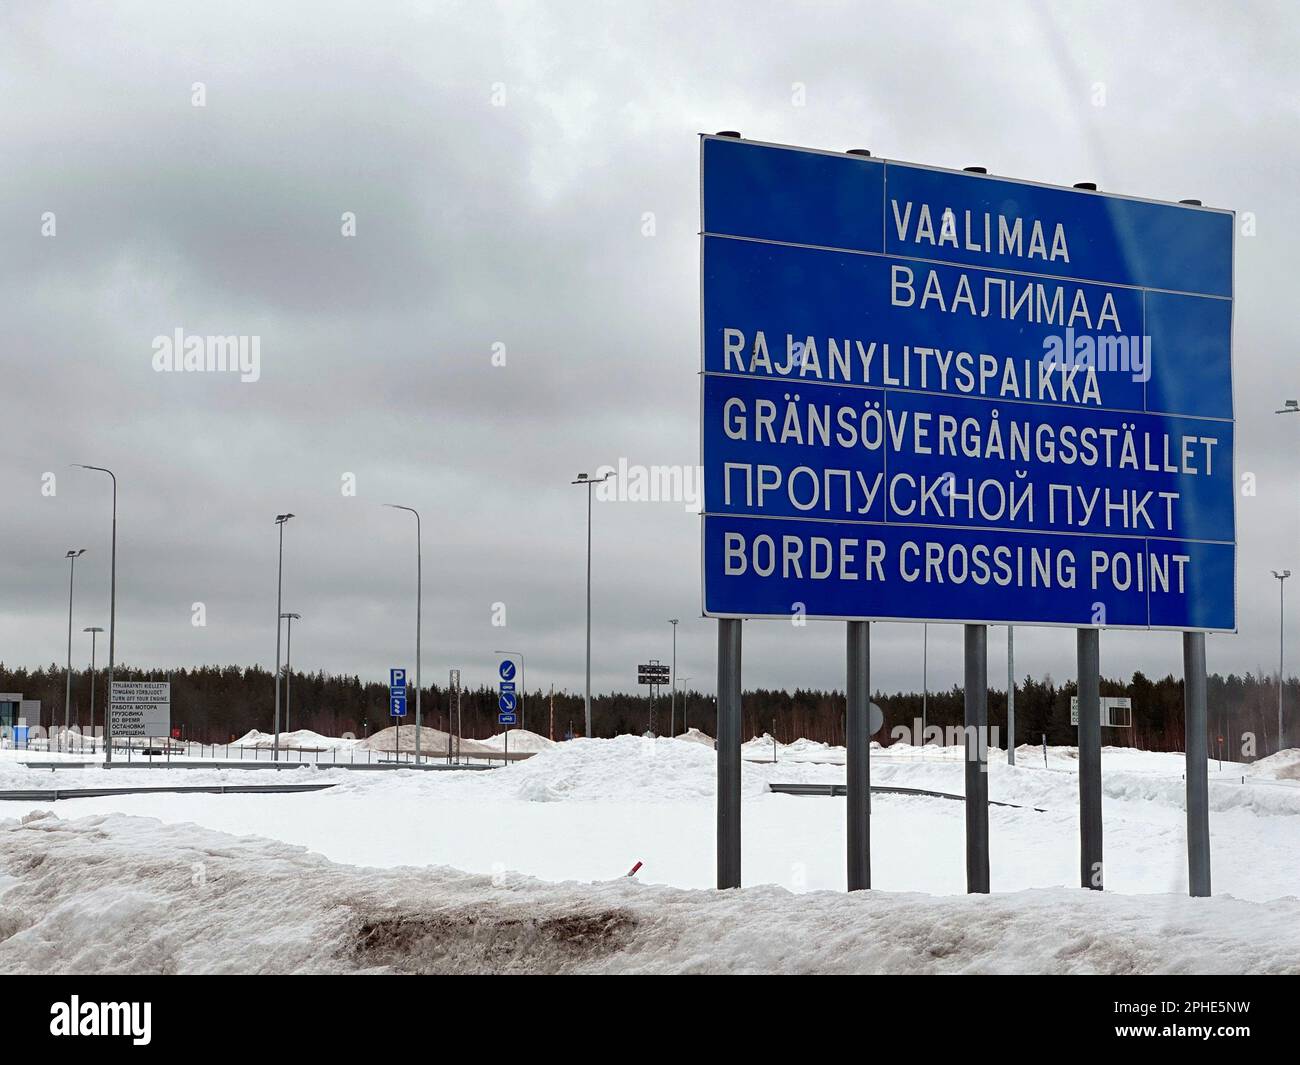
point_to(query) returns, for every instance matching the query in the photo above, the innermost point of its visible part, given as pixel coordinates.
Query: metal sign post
(453, 694)
(977, 775)
(1197, 763)
(655, 674)
(1090, 863)
(858, 755)
(397, 706)
(1011, 695)
(728, 749)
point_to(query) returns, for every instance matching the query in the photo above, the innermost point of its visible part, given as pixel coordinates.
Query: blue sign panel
(397, 679)
(507, 699)
(397, 706)
(936, 395)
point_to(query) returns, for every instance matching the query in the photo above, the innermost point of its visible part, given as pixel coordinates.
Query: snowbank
(433, 741)
(520, 740)
(118, 894)
(299, 739)
(1285, 765)
(694, 735)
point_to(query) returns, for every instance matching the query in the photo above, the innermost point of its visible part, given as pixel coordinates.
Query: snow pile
(299, 739)
(520, 740)
(624, 768)
(122, 894)
(433, 741)
(694, 735)
(1285, 765)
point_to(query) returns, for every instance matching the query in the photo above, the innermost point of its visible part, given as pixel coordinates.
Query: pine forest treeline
(214, 704)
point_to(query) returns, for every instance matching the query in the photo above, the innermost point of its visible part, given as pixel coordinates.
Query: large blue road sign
(937, 395)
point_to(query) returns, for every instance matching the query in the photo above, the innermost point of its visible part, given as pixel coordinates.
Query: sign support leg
(1011, 695)
(728, 745)
(977, 780)
(1090, 862)
(858, 693)
(1198, 782)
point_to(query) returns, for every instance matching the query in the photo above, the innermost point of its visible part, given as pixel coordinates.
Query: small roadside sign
(507, 697)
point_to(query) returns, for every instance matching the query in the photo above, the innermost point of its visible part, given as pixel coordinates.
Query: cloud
(520, 225)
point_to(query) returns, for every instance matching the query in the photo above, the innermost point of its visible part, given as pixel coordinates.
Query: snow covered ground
(392, 869)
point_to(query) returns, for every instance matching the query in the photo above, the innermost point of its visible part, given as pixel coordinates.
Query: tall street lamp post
(280, 520)
(582, 478)
(672, 712)
(288, 665)
(419, 587)
(112, 615)
(1281, 627)
(94, 631)
(72, 557)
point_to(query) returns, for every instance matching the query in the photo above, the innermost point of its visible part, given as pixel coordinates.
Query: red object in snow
(632, 871)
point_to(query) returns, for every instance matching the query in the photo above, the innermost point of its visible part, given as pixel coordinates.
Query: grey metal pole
(858, 755)
(419, 594)
(925, 677)
(288, 672)
(112, 633)
(583, 479)
(72, 557)
(1197, 765)
(1281, 644)
(1090, 854)
(728, 750)
(419, 608)
(1011, 695)
(672, 712)
(112, 617)
(94, 633)
(279, 590)
(587, 697)
(977, 781)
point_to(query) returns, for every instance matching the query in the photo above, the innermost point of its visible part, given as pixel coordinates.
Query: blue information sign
(397, 692)
(943, 396)
(507, 698)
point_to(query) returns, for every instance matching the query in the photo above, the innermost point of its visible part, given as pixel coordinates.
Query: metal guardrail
(279, 766)
(841, 789)
(55, 794)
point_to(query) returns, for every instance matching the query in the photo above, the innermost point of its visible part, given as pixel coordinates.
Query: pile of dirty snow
(1285, 765)
(126, 885)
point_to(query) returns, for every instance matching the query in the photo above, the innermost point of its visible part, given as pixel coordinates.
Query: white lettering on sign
(980, 231)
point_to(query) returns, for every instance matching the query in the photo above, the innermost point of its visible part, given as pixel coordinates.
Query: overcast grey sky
(500, 161)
